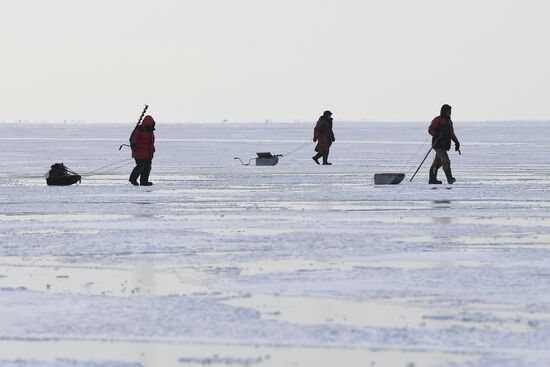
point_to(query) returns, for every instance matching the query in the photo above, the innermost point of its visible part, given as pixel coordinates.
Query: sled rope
(97, 171)
(413, 157)
(112, 169)
(300, 147)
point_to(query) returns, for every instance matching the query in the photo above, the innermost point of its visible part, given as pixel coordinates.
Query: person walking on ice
(442, 132)
(142, 142)
(324, 136)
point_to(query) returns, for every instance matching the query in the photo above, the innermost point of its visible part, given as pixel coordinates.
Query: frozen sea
(219, 264)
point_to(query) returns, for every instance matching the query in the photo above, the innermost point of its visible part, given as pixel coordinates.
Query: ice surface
(295, 264)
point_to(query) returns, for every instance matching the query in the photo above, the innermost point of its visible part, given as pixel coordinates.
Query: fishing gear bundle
(60, 175)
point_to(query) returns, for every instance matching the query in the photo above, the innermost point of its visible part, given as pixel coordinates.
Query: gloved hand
(457, 147)
(314, 140)
(333, 140)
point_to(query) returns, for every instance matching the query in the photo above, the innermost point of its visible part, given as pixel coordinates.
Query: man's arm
(454, 138)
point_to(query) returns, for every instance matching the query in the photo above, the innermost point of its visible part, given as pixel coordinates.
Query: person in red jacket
(442, 131)
(142, 142)
(324, 136)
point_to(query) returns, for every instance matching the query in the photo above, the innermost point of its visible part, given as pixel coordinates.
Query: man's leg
(325, 158)
(144, 180)
(446, 162)
(138, 169)
(433, 170)
(316, 157)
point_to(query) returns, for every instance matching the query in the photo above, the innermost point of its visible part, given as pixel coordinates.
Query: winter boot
(144, 177)
(450, 179)
(325, 160)
(316, 157)
(134, 176)
(433, 177)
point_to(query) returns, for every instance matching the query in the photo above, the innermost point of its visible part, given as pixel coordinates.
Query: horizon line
(265, 121)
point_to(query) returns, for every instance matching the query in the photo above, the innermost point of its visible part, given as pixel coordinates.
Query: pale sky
(283, 60)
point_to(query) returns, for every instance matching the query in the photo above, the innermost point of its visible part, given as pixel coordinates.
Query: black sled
(263, 159)
(59, 175)
(388, 178)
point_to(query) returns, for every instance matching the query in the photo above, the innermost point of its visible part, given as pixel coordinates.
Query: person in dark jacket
(324, 136)
(142, 142)
(442, 131)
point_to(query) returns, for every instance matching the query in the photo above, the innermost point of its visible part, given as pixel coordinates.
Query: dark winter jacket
(442, 132)
(323, 134)
(142, 140)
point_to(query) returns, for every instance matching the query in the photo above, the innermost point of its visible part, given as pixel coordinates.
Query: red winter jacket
(442, 131)
(142, 139)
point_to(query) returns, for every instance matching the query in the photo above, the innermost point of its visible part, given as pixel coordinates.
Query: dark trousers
(324, 155)
(441, 159)
(142, 170)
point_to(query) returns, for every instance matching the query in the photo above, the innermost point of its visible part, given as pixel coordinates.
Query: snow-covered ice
(297, 264)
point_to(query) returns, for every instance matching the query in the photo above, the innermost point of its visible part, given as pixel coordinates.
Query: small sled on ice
(263, 159)
(60, 175)
(388, 178)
